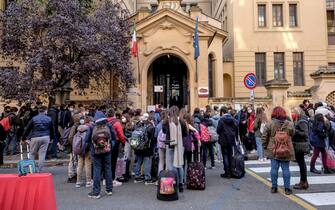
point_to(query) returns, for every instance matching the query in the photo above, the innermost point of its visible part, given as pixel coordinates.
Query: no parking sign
(250, 81)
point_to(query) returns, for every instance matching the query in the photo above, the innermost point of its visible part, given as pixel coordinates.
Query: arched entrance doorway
(168, 82)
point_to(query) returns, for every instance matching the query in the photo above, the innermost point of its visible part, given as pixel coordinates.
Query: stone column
(277, 90)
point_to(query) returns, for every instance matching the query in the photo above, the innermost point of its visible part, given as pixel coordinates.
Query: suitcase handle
(21, 150)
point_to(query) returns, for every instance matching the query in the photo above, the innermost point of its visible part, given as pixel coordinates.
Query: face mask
(71, 109)
(249, 110)
(124, 120)
(82, 121)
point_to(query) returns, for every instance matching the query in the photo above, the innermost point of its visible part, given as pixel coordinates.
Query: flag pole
(138, 65)
(196, 70)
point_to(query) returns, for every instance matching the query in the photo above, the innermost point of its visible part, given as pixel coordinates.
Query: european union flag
(196, 41)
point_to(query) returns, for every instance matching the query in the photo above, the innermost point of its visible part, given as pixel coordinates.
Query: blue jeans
(11, 139)
(170, 167)
(147, 167)
(259, 144)
(285, 165)
(102, 163)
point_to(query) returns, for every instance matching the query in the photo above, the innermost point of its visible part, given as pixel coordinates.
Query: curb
(48, 163)
(64, 162)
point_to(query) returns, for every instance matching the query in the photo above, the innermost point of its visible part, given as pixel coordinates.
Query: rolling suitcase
(167, 189)
(237, 164)
(196, 175)
(26, 166)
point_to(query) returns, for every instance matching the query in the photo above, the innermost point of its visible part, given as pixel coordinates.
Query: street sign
(250, 81)
(203, 92)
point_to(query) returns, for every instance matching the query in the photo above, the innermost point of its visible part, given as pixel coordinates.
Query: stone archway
(330, 99)
(168, 82)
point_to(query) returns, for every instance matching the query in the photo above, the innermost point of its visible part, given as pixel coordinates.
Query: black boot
(181, 188)
(314, 170)
(327, 171)
(274, 190)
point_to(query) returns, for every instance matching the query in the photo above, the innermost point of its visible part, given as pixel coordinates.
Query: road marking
(256, 162)
(311, 180)
(319, 199)
(292, 197)
(267, 169)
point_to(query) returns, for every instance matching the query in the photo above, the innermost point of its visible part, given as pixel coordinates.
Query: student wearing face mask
(250, 129)
(115, 122)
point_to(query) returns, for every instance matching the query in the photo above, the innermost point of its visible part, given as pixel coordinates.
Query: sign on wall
(158, 88)
(203, 92)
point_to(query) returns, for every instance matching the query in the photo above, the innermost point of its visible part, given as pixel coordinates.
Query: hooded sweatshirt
(227, 129)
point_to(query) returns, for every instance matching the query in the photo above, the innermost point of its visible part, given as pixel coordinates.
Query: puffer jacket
(40, 125)
(268, 137)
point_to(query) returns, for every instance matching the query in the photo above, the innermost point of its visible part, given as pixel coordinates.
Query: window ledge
(279, 29)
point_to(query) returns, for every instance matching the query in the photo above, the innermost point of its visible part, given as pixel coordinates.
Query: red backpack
(5, 122)
(204, 133)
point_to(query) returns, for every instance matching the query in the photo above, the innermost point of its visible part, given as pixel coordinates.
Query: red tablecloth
(31, 192)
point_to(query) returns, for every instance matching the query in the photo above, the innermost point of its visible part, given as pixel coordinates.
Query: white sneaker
(109, 193)
(89, 184)
(253, 152)
(78, 185)
(117, 183)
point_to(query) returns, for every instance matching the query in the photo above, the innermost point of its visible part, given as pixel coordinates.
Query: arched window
(211, 75)
(227, 86)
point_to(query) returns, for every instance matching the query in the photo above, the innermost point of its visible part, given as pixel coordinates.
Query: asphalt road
(221, 194)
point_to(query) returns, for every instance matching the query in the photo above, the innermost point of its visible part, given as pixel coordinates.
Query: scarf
(176, 140)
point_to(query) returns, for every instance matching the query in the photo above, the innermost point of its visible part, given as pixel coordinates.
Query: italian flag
(134, 43)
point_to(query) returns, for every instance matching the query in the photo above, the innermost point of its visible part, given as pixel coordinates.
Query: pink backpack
(204, 133)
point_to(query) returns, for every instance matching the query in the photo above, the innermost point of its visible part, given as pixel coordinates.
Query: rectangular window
(260, 68)
(261, 15)
(298, 69)
(330, 4)
(331, 27)
(293, 15)
(279, 66)
(277, 15)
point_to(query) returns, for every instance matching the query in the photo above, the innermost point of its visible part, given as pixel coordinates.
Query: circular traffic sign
(250, 81)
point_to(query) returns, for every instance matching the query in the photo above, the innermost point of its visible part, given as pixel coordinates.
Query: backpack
(214, 135)
(161, 138)
(139, 139)
(281, 148)
(101, 139)
(204, 133)
(78, 143)
(5, 122)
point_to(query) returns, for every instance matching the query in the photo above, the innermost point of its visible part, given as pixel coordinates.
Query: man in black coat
(228, 131)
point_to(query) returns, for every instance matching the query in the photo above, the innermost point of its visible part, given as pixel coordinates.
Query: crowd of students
(115, 146)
